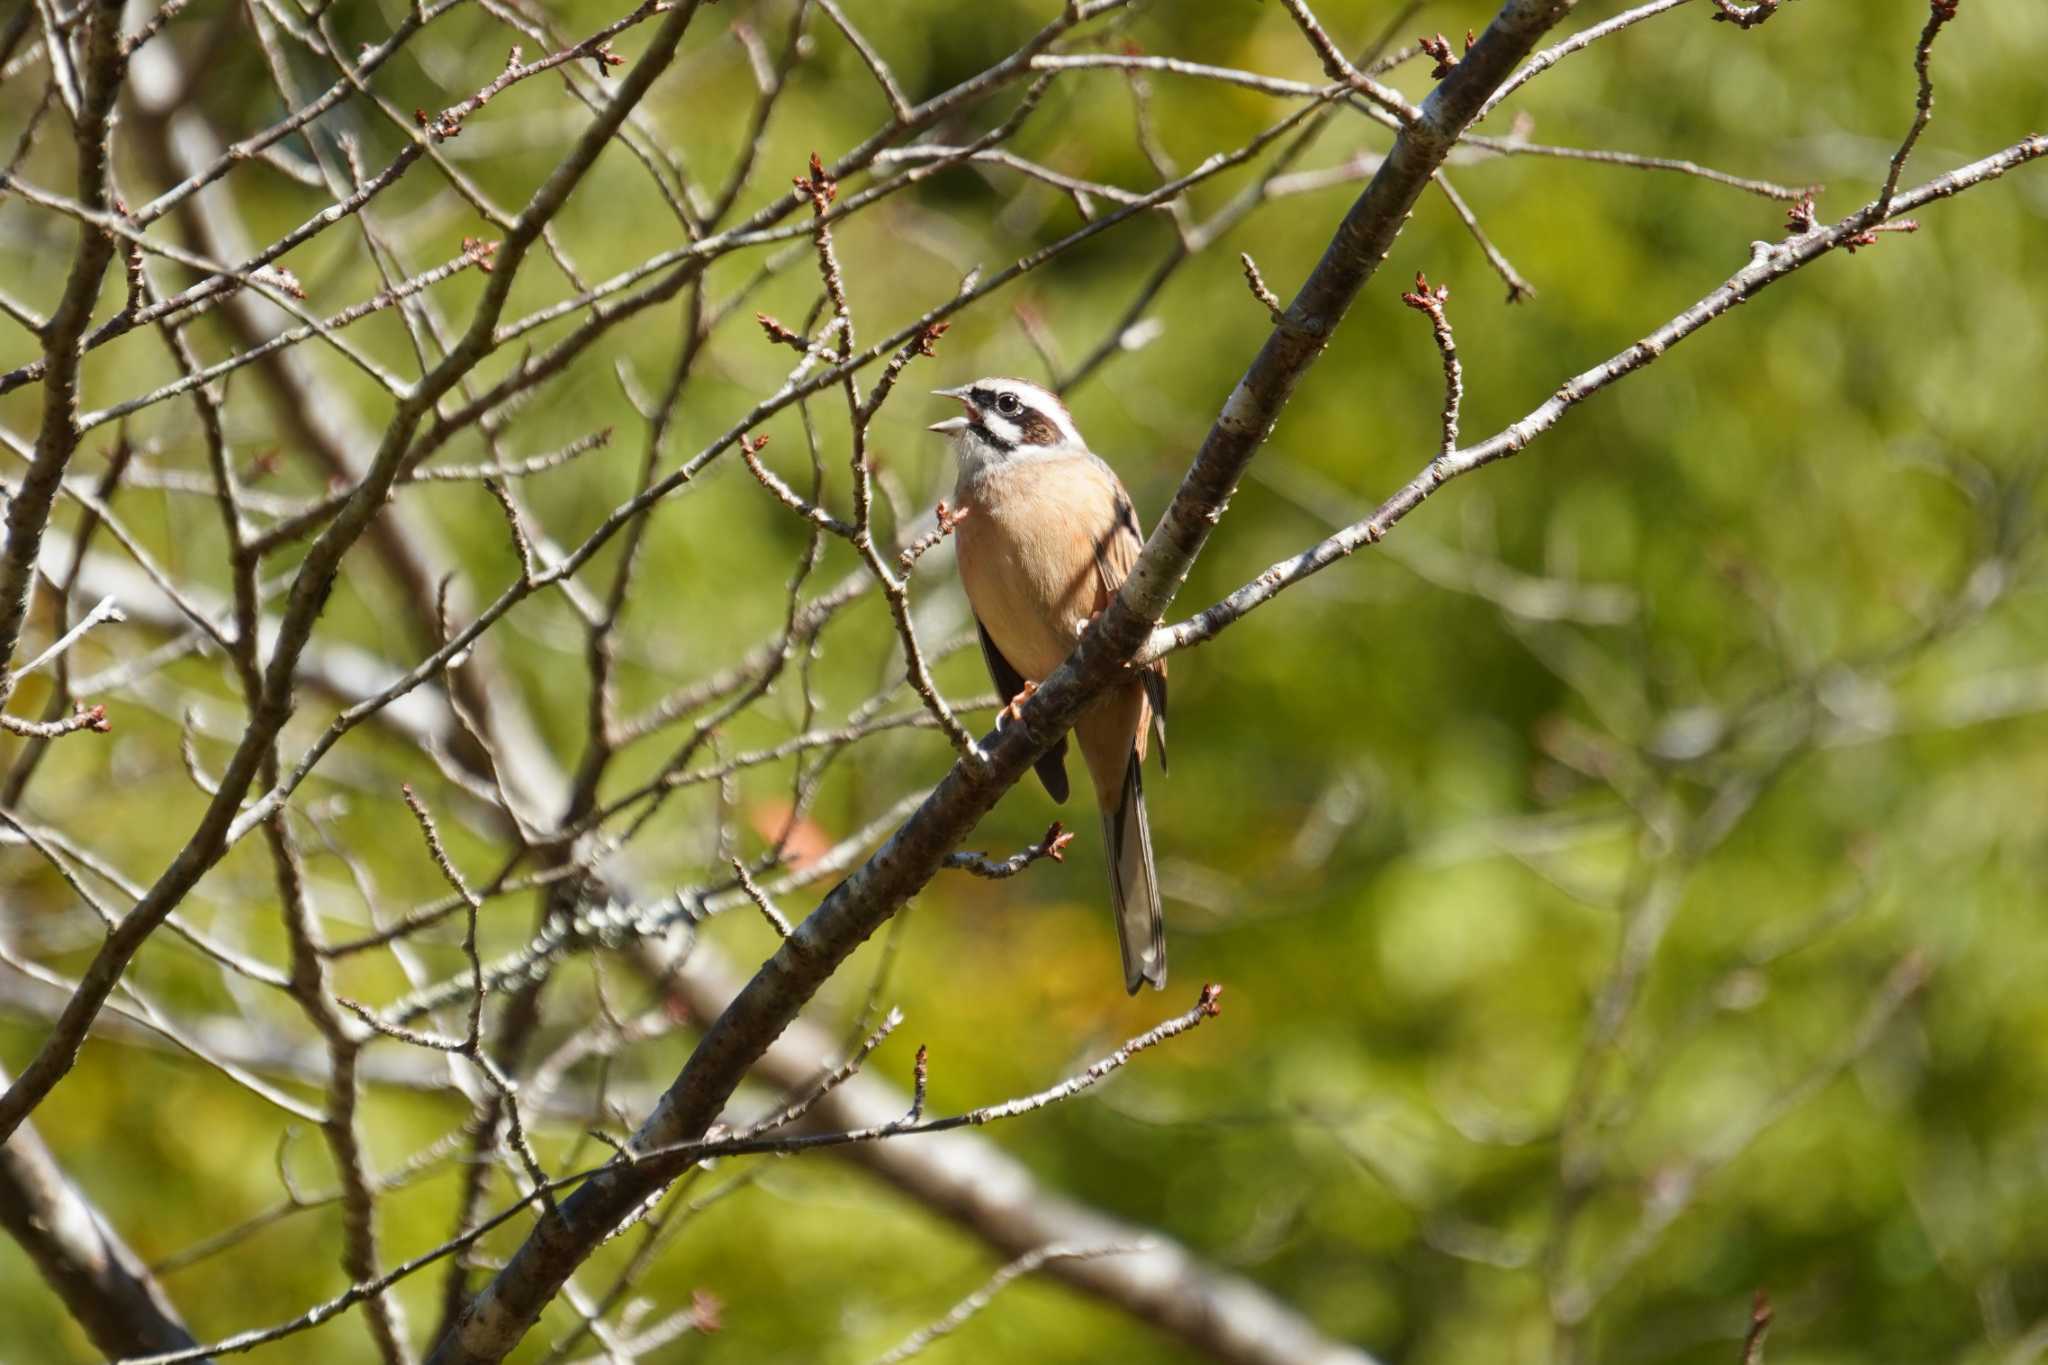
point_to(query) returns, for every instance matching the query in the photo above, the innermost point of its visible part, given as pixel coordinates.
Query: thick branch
(107, 1288)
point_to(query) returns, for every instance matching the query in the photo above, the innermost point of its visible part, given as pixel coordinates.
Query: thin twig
(1430, 302)
(1939, 13)
(776, 920)
(1745, 15)
(1759, 1327)
(1578, 42)
(917, 1342)
(1053, 846)
(1518, 288)
(1257, 283)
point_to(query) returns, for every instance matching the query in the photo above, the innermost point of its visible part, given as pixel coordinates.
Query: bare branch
(1258, 287)
(775, 918)
(1053, 846)
(1518, 288)
(271, 455)
(1745, 15)
(993, 1196)
(1430, 303)
(104, 1284)
(311, 587)
(1939, 13)
(1759, 1327)
(860, 904)
(1578, 42)
(885, 78)
(92, 718)
(676, 1158)
(1029, 1263)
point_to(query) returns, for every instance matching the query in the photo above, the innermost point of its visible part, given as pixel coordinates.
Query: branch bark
(104, 1284)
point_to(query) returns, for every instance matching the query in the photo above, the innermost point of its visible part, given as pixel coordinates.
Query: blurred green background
(1722, 705)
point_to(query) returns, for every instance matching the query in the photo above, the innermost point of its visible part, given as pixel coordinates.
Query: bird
(1045, 535)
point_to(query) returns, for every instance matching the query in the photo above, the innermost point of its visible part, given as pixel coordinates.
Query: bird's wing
(1052, 764)
(1116, 552)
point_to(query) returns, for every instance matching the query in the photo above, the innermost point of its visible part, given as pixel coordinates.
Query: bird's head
(1007, 419)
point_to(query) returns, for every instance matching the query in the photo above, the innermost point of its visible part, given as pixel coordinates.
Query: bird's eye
(1009, 404)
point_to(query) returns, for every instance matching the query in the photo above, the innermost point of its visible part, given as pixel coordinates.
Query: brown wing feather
(1052, 764)
(1115, 555)
(1112, 738)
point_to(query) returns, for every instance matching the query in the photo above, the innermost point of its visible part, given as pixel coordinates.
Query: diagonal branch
(105, 1285)
(1029, 1263)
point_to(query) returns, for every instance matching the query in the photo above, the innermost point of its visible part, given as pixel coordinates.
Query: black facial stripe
(989, 437)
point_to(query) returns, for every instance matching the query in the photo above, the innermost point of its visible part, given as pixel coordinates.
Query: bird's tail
(1140, 927)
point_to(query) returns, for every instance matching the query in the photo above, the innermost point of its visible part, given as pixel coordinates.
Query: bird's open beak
(952, 424)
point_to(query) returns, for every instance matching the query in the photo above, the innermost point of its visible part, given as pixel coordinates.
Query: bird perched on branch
(1045, 537)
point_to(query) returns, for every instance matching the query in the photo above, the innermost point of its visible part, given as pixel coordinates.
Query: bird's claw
(1015, 709)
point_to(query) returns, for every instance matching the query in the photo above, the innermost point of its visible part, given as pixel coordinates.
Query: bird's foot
(1015, 710)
